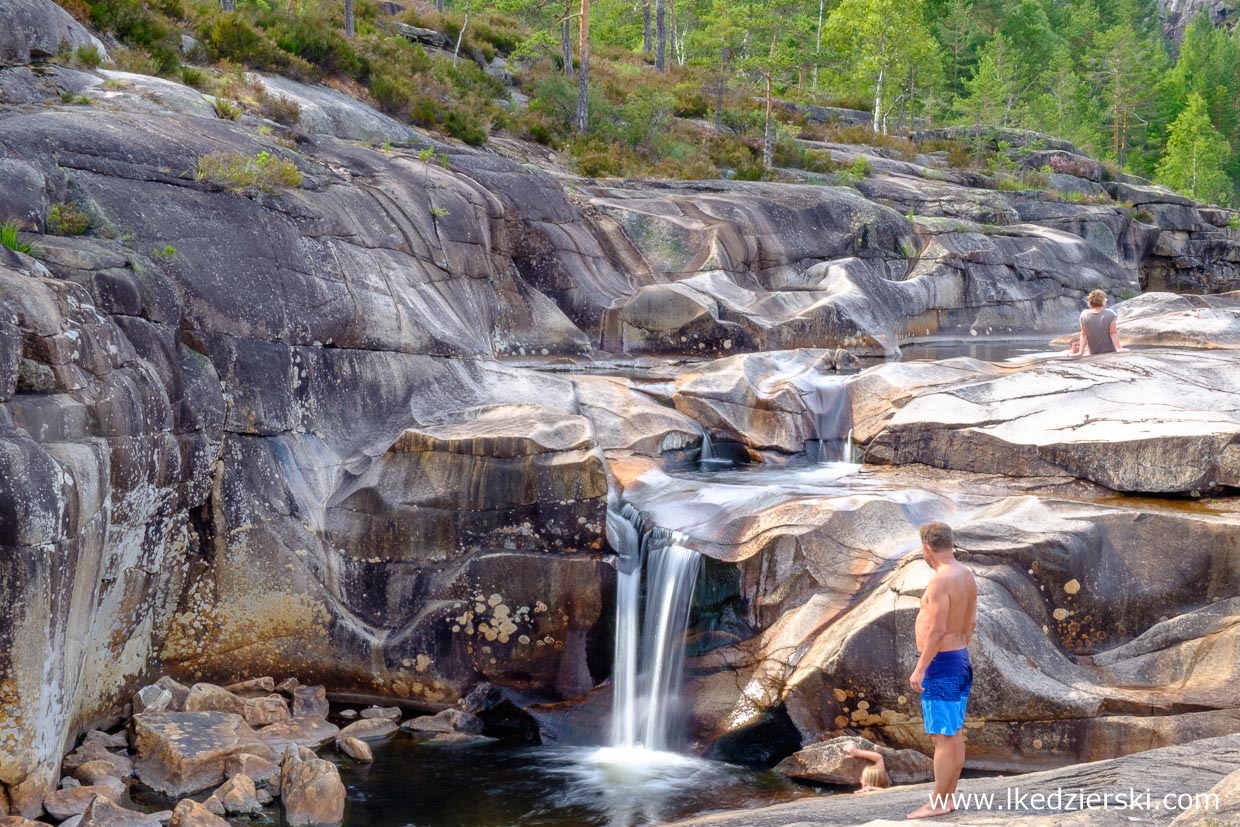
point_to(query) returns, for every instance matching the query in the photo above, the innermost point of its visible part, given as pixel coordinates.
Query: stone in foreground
(827, 763)
(179, 753)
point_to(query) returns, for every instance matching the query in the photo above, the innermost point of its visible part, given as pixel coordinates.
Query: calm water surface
(503, 785)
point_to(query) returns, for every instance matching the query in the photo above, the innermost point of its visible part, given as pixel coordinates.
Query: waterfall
(649, 667)
(826, 396)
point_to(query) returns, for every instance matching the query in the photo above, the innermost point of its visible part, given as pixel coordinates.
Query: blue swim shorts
(945, 691)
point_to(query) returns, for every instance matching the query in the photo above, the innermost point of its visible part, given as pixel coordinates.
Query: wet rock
(348, 714)
(61, 804)
(355, 748)
(391, 713)
(104, 813)
(827, 763)
(373, 729)
(184, 752)
(266, 710)
(304, 731)
(189, 813)
(310, 702)
(448, 720)
(206, 697)
(627, 418)
(238, 795)
(1074, 417)
(312, 792)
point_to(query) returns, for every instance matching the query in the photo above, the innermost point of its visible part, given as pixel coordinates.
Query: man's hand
(915, 679)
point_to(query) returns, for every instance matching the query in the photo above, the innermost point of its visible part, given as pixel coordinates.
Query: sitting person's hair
(875, 776)
(938, 536)
(1097, 298)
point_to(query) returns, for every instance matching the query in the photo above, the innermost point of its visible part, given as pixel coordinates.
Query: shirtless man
(944, 675)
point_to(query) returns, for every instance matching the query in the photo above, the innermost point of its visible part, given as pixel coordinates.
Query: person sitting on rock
(1098, 330)
(874, 776)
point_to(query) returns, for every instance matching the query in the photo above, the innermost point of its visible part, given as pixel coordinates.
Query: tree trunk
(660, 34)
(583, 71)
(348, 18)
(566, 46)
(228, 5)
(878, 101)
(725, 57)
(818, 45)
(768, 140)
(460, 35)
(439, 5)
(672, 45)
(647, 41)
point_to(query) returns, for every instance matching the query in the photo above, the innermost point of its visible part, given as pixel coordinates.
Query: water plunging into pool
(648, 667)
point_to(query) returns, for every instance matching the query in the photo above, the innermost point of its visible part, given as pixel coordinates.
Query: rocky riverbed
(365, 430)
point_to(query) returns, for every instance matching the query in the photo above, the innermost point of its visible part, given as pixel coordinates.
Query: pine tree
(1196, 153)
(992, 93)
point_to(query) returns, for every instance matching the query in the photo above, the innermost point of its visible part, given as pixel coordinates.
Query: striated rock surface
(1077, 417)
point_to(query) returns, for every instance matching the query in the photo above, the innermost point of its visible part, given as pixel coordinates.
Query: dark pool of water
(504, 785)
(987, 350)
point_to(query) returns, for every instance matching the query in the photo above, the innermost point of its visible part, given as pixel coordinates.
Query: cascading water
(648, 668)
(826, 396)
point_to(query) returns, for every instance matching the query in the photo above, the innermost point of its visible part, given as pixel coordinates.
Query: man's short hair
(1097, 298)
(938, 536)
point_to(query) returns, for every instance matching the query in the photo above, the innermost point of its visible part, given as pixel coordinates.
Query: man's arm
(937, 605)
(853, 751)
(1084, 344)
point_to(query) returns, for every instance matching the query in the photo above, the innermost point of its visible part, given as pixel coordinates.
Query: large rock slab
(1076, 417)
(178, 753)
(1169, 320)
(1185, 769)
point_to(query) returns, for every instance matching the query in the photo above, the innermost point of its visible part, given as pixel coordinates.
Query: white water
(648, 667)
(826, 396)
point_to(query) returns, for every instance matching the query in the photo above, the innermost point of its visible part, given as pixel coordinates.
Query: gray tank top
(1098, 330)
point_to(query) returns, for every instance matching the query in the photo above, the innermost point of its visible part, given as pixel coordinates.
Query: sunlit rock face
(1152, 422)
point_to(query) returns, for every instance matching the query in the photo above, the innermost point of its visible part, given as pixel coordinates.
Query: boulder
(355, 748)
(827, 763)
(180, 692)
(259, 770)
(254, 687)
(312, 792)
(1169, 320)
(303, 731)
(310, 702)
(390, 713)
(152, 699)
(103, 813)
(94, 771)
(178, 753)
(1074, 416)
(448, 720)
(627, 416)
(325, 111)
(266, 710)
(189, 813)
(61, 804)
(238, 795)
(206, 697)
(107, 740)
(90, 753)
(369, 730)
(39, 29)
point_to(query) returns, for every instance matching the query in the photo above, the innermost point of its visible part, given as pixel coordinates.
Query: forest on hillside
(701, 88)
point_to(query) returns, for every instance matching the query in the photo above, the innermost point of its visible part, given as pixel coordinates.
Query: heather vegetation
(707, 88)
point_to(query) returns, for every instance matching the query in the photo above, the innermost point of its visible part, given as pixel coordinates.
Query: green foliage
(66, 219)
(88, 55)
(151, 29)
(1195, 156)
(261, 173)
(75, 99)
(226, 109)
(8, 237)
(167, 251)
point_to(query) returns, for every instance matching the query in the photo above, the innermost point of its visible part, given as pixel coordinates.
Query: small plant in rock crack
(8, 237)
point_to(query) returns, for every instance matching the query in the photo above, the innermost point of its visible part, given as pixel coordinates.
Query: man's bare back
(951, 584)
